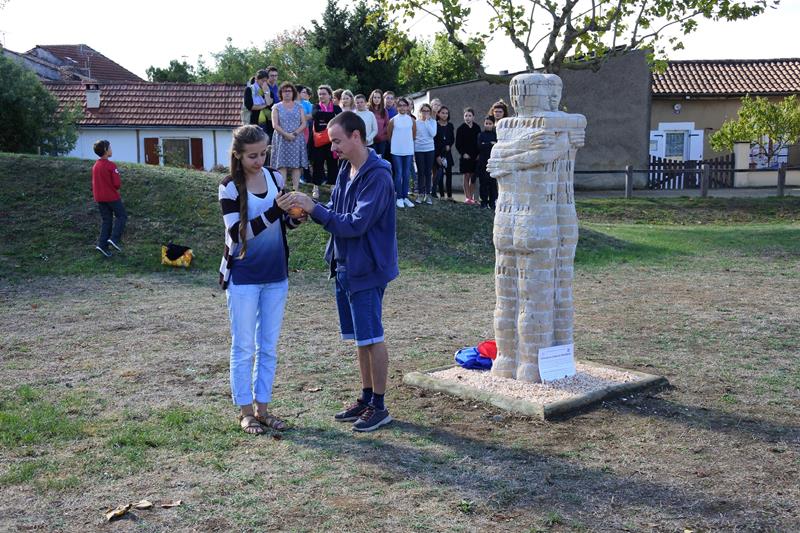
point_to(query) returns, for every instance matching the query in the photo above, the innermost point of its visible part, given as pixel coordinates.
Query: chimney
(92, 96)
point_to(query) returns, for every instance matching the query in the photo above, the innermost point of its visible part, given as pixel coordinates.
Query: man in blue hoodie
(362, 254)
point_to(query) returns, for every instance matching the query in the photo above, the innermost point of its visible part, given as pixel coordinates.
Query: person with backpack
(256, 99)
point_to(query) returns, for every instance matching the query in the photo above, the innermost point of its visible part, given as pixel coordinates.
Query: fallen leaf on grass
(144, 504)
(169, 505)
(119, 512)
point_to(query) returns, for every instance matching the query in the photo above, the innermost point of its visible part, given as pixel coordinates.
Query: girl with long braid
(254, 273)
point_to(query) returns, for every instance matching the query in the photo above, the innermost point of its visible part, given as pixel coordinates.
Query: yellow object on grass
(176, 255)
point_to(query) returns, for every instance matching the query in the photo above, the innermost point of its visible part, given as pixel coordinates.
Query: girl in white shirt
(368, 117)
(402, 130)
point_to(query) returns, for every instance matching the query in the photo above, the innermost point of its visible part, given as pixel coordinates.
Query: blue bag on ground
(471, 358)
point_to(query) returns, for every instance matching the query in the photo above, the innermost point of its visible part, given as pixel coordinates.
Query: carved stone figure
(535, 225)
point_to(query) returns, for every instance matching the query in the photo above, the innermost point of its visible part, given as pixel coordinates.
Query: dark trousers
(324, 166)
(444, 181)
(387, 153)
(488, 189)
(424, 171)
(381, 148)
(111, 213)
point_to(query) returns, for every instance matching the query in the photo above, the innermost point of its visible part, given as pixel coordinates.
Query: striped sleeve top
(267, 255)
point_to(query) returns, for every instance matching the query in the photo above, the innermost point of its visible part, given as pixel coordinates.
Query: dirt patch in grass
(139, 365)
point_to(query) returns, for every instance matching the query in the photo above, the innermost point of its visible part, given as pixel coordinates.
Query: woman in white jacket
(424, 153)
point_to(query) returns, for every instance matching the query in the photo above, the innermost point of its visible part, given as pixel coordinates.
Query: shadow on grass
(710, 419)
(503, 478)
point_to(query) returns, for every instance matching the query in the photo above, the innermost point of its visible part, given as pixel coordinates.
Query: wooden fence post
(781, 179)
(705, 177)
(628, 182)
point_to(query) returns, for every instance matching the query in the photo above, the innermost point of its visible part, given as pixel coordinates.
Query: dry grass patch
(139, 364)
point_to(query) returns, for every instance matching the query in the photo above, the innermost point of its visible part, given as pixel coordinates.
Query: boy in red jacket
(105, 187)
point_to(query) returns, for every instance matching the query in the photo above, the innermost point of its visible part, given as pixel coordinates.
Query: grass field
(115, 380)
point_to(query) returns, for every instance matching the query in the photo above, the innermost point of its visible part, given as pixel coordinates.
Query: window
(759, 160)
(176, 152)
(676, 145)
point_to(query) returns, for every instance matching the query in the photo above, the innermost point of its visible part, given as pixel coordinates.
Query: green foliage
(30, 118)
(177, 71)
(769, 125)
(429, 64)
(577, 34)
(289, 52)
(351, 37)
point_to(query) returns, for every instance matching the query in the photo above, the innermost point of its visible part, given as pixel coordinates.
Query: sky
(149, 32)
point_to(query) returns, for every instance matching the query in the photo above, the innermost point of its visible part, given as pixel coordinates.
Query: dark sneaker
(103, 251)
(352, 413)
(372, 419)
(116, 246)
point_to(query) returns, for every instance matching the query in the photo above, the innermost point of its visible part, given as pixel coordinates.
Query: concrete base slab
(483, 387)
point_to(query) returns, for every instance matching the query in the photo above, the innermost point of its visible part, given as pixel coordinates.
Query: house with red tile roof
(692, 99)
(83, 60)
(178, 124)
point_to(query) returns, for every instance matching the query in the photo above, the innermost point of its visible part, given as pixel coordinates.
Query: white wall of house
(744, 176)
(123, 143)
(678, 141)
(128, 146)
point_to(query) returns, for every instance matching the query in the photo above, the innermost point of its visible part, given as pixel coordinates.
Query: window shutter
(197, 153)
(151, 156)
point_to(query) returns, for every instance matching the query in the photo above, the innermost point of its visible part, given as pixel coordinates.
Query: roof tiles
(96, 64)
(157, 104)
(730, 77)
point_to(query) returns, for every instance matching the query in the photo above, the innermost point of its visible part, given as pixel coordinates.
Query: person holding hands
(362, 255)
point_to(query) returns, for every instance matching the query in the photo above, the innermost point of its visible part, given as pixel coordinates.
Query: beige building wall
(708, 114)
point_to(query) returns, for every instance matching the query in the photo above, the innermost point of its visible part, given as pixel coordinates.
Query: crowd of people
(419, 145)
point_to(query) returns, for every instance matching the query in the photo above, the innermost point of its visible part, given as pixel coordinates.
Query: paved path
(458, 195)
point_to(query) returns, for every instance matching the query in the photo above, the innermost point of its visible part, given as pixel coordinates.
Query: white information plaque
(557, 362)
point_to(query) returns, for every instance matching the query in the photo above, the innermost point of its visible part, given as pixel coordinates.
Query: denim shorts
(359, 312)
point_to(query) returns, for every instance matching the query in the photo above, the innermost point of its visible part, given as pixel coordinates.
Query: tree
(429, 64)
(575, 33)
(299, 61)
(30, 119)
(289, 52)
(232, 64)
(771, 126)
(178, 71)
(351, 38)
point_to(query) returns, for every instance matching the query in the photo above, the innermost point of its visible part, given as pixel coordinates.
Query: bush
(30, 119)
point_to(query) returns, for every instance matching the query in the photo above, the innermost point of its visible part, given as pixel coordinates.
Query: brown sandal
(251, 425)
(272, 422)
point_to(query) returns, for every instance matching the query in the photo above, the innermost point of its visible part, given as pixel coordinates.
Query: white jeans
(256, 314)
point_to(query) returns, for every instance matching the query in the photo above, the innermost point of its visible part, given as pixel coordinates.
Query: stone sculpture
(535, 225)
